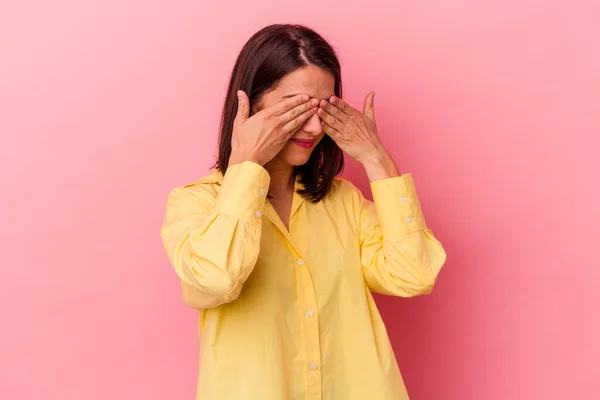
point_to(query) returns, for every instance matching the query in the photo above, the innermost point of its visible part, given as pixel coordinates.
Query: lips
(304, 143)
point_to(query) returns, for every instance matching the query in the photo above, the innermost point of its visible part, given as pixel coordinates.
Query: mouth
(304, 143)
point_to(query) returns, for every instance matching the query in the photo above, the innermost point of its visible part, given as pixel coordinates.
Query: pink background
(493, 106)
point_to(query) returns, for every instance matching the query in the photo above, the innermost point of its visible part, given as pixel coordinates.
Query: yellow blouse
(286, 315)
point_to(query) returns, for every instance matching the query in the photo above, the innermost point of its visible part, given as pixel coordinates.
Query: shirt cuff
(243, 191)
(397, 204)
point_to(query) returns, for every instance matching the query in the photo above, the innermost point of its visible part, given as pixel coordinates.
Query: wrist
(238, 157)
(376, 156)
(380, 165)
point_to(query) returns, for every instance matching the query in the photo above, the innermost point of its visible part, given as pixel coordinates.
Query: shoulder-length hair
(269, 55)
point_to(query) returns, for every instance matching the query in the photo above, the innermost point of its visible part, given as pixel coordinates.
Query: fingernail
(239, 94)
(314, 102)
(305, 98)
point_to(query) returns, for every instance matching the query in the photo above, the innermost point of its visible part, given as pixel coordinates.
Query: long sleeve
(399, 254)
(212, 238)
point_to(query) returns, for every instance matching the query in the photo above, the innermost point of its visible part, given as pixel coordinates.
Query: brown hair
(267, 57)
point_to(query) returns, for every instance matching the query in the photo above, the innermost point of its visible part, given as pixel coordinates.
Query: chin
(294, 156)
(298, 159)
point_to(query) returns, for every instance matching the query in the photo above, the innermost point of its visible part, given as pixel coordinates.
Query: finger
(333, 110)
(286, 105)
(292, 126)
(331, 131)
(342, 105)
(369, 107)
(298, 110)
(243, 106)
(330, 119)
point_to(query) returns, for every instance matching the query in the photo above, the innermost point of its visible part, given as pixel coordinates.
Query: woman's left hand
(356, 134)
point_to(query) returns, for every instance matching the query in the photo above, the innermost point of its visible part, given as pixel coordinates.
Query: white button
(262, 192)
(403, 199)
(300, 262)
(313, 366)
(309, 313)
(408, 219)
(258, 214)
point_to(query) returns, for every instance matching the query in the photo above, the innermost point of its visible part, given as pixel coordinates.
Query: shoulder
(344, 191)
(203, 190)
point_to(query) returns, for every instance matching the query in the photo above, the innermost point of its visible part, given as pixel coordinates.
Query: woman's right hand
(261, 137)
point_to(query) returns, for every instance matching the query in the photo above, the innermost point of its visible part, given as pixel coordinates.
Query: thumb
(369, 108)
(243, 106)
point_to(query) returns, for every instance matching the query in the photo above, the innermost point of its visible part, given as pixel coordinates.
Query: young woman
(279, 255)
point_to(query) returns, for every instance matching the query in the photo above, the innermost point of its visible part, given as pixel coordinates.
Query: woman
(277, 254)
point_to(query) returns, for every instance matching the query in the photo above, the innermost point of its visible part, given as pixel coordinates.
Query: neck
(282, 177)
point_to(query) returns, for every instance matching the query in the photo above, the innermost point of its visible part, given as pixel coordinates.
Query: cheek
(320, 137)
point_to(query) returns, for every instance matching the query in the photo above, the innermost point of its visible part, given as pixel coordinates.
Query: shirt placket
(308, 313)
(310, 329)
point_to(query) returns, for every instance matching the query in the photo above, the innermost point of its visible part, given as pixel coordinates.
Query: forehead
(311, 80)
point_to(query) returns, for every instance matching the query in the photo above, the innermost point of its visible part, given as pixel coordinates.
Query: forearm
(213, 247)
(380, 166)
(400, 255)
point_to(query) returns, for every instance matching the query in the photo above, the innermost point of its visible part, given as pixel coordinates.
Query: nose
(313, 126)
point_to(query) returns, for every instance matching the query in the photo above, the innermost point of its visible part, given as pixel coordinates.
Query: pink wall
(493, 106)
